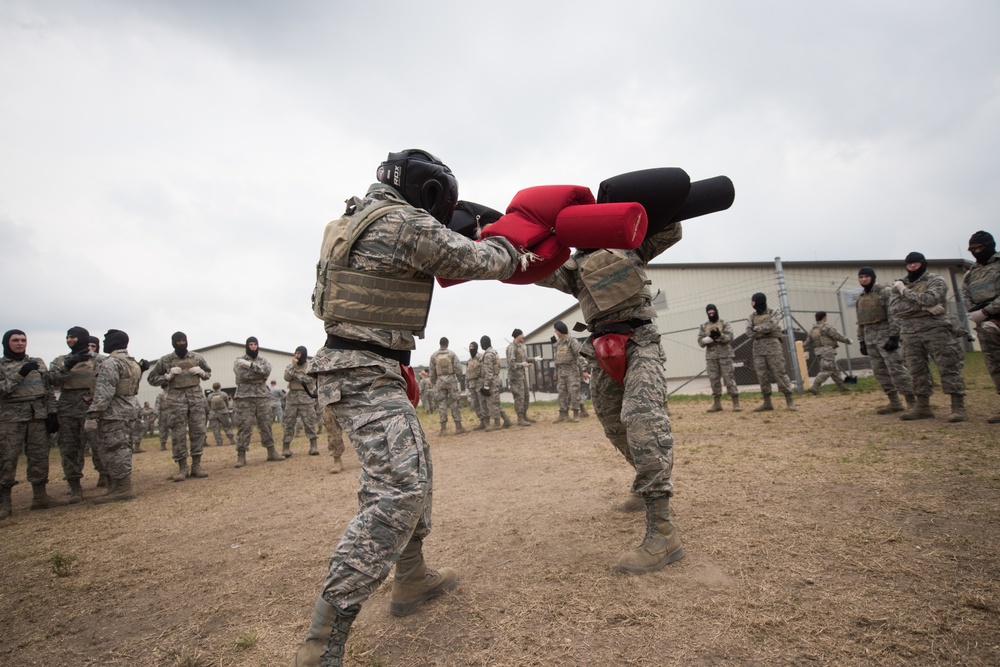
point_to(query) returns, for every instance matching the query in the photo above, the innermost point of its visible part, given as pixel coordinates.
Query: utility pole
(789, 331)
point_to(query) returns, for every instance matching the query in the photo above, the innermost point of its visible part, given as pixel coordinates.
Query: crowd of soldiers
(902, 326)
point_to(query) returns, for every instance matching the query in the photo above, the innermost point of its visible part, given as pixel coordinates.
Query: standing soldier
(981, 294)
(253, 403)
(490, 389)
(768, 354)
(112, 413)
(91, 441)
(426, 391)
(517, 376)
(180, 373)
(148, 417)
(28, 418)
(277, 401)
(473, 383)
(716, 336)
(73, 375)
(822, 341)
(220, 414)
(927, 333)
(569, 366)
(299, 402)
(445, 368)
(878, 338)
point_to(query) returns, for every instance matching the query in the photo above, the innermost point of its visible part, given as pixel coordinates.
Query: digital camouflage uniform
(220, 416)
(719, 356)
(445, 369)
(115, 408)
(368, 393)
(981, 291)
(517, 378)
(149, 418)
(160, 405)
(183, 409)
(491, 381)
(473, 383)
(426, 392)
(768, 352)
(253, 402)
(334, 434)
(75, 386)
(569, 365)
(822, 342)
(25, 402)
(299, 404)
(278, 396)
(875, 329)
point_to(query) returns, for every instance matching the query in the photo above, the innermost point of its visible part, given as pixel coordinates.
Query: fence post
(789, 331)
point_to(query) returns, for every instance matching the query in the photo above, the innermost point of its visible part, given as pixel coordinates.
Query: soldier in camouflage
(300, 402)
(397, 243)
(927, 334)
(426, 391)
(716, 336)
(569, 367)
(490, 385)
(149, 418)
(517, 376)
(878, 338)
(220, 414)
(473, 383)
(629, 385)
(277, 401)
(28, 418)
(253, 403)
(160, 405)
(334, 439)
(765, 329)
(981, 295)
(445, 369)
(822, 342)
(180, 373)
(73, 376)
(91, 440)
(112, 412)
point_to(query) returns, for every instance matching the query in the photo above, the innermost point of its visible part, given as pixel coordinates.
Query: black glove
(143, 365)
(27, 368)
(74, 359)
(714, 333)
(485, 391)
(892, 344)
(51, 423)
(864, 349)
(552, 340)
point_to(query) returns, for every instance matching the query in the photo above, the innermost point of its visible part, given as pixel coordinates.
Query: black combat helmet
(423, 181)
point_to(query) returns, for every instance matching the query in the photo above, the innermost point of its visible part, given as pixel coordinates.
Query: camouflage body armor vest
(474, 369)
(345, 295)
(218, 402)
(28, 389)
(765, 318)
(611, 282)
(128, 385)
(81, 376)
(184, 380)
(914, 310)
(564, 353)
(443, 365)
(871, 310)
(714, 326)
(820, 339)
(295, 385)
(983, 286)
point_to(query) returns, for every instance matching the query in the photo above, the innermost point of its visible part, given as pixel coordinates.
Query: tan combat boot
(313, 448)
(272, 455)
(182, 471)
(241, 458)
(506, 421)
(957, 409)
(75, 491)
(575, 419)
(495, 426)
(522, 420)
(736, 403)
(123, 491)
(814, 389)
(196, 470)
(841, 385)
(43, 501)
(444, 428)
(338, 466)
(459, 429)
(415, 583)
(661, 546)
(324, 645)
(563, 414)
(286, 450)
(893, 407)
(716, 404)
(766, 405)
(483, 423)
(583, 411)
(789, 402)
(921, 410)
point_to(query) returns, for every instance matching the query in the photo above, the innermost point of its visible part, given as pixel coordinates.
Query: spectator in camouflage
(517, 376)
(764, 327)
(473, 383)
(878, 338)
(490, 389)
(445, 369)
(220, 414)
(822, 342)
(716, 336)
(253, 403)
(981, 296)
(300, 402)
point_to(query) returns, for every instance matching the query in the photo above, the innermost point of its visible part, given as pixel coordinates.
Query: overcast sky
(170, 165)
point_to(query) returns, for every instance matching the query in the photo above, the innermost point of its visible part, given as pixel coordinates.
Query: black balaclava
(714, 317)
(82, 337)
(485, 342)
(759, 302)
(115, 340)
(6, 345)
(252, 354)
(868, 271)
(473, 349)
(516, 332)
(986, 240)
(820, 315)
(180, 350)
(916, 257)
(561, 327)
(96, 341)
(304, 356)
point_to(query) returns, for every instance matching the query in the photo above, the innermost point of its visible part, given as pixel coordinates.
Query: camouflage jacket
(107, 404)
(27, 398)
(517, 359)
(251, 382)
(721, 346)
(983, 282)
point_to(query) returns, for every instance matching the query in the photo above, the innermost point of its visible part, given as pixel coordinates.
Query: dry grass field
(827, 536)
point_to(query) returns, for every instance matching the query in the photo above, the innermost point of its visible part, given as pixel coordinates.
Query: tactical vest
(218, 402)
(443, 364)
(81, 376)
(820, 339)
(184, 380)
(914, 310)
(474, 369)
(611, 283)
(343, 294)
(871, 310)
(714, 326)
(983, 283)
(28, 389)
(494, 361)
(564, 353)
(128, 384)
(765, 318)
(295, 385)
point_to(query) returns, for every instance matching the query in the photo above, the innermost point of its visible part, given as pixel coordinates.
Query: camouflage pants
(185, 414)
(519, 388)
(164, 429)
(939, 344)
(989, 341)
(491, 403)
(477, 400)
(721, 370)
(770, 368)
(250, 411)
(277, 411)
(219, 421)
(293, 411)
(394, 501)
(116, 447)
(568, 386)
(334, 434)
(827, 367)
(72, 446)
(137, 429)
(446, 391)
(889, 368)
(31, 438)
(635, 418)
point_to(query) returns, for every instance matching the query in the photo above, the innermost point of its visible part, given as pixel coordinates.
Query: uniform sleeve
(727, 333)
(656, 244)
(433, 368)
(701, 334)
(104, 389)
(429, 247)
(58, 372)
(157, 373)
(205, 367)
(937, 292)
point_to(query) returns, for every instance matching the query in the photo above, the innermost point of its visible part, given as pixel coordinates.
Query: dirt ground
(827, 536)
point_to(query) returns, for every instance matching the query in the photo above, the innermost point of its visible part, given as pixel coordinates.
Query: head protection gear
(986, 240)
(561, 327)
(713, 313)
(759, 302)
(870, 272)
(7, 352)
(115, 339)
(473, 349)
(251, 353)
(95, 341)
(303, 355)
(485, 342)
(423, 181)
(180, 350)
(82, 337)
(515, 333)
(912, 258)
